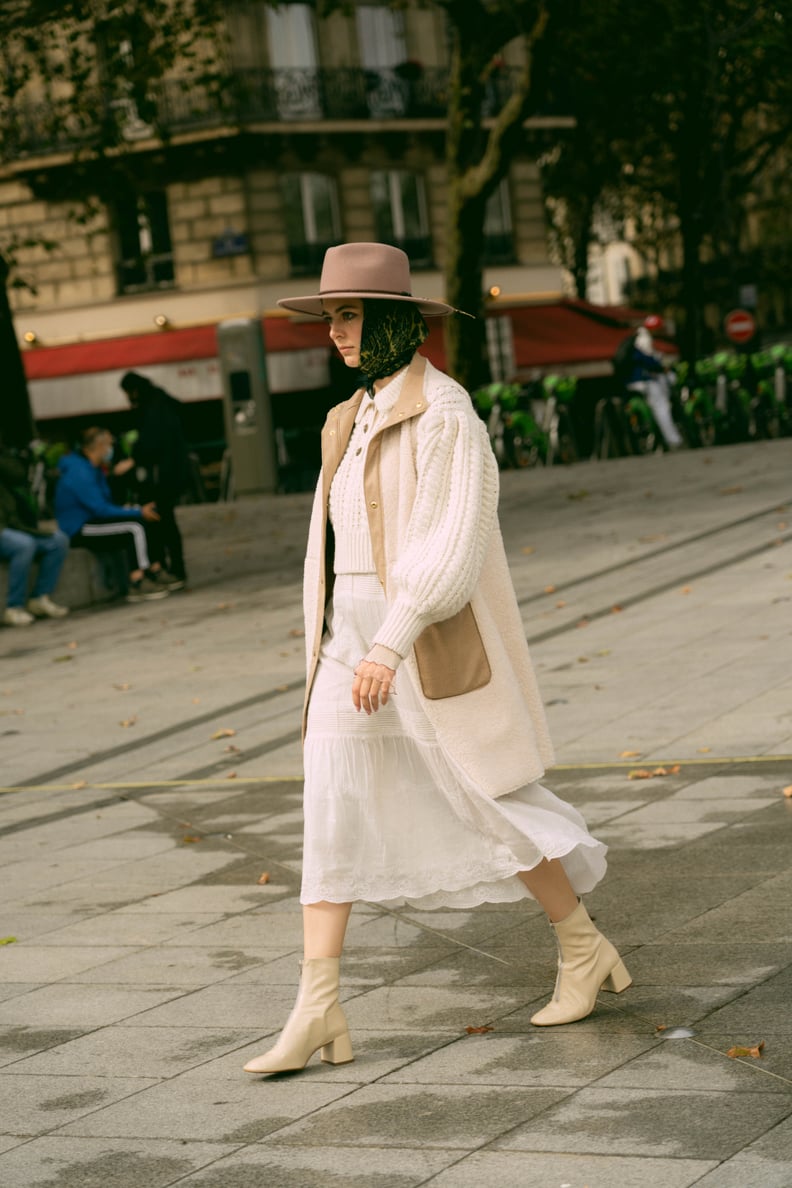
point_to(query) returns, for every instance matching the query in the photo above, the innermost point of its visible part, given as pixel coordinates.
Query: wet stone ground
(149, 965)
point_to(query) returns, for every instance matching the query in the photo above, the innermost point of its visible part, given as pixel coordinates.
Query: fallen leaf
(477, 1030)
(704, 750)
(560, 603)
(755, 1051)
(223, 605)
(230, 750)
(788, 791)
(7, 940)
(73, 645)
(730, 490)
(603, 652)
(685, 590)
(652, 537)
(582, 494)
(549, 589)
(61, 659)
(282, 688)
(128, 721)
(264, 878)
(528, 549)
(584, 622)
(196, 701)
(79, 784)
(296, 633)
(675, 770)
(629, 754)
(189, 839)
(232, 775)
(661, 1026)
(781, 526)
(123, 688)
(583, 659)
(224, 732)
(616, 609)
(641, 773)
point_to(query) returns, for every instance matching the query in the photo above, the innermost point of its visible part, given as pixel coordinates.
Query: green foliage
(90, 68)
(683, 111)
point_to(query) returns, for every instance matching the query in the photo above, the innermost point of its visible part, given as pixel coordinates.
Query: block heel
(587, 961)
(339, 1050)
(618, 979)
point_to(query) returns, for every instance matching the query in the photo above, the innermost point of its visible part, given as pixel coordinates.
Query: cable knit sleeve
(450, 524)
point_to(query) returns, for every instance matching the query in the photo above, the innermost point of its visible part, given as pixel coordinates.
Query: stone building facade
(332, 130)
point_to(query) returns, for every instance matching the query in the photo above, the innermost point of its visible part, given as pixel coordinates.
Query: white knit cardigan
(438, 484)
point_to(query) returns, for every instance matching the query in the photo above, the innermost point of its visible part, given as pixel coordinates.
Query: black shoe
(168, 581)
(146, 589)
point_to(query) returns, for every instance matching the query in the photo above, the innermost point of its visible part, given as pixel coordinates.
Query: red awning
(561, 334)
(167, 346)
(558, 334)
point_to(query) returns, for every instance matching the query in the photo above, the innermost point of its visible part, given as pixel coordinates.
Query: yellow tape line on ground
(217, 781)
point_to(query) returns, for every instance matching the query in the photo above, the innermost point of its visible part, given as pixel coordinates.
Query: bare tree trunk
(16, 419)
(466, 344)
(476, 161)
(582, 244)
(466, 348)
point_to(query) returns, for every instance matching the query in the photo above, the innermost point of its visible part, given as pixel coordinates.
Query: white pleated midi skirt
(389, 817)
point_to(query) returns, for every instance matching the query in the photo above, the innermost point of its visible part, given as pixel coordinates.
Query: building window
(382, 46)
(312, 223)
(145, 254)
(498, 234)
(293, 55)
(400, 218)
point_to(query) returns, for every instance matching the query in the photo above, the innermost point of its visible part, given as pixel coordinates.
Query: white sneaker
(15, 616)
(44, 608)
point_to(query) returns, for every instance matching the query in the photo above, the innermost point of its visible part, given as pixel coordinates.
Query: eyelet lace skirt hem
(388, 816)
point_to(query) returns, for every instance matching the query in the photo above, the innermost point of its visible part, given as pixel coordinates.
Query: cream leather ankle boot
(317, 1021)
(587, 963)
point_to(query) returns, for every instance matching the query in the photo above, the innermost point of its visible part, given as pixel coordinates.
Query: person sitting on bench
(87, 514)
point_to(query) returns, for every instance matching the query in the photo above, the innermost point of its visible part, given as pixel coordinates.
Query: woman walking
(425, 734)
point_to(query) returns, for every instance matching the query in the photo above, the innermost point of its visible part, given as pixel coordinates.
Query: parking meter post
(247, 407)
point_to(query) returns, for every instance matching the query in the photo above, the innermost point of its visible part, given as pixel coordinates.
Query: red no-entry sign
(740, 325)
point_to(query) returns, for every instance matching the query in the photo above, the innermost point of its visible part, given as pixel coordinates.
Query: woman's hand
(372, 686)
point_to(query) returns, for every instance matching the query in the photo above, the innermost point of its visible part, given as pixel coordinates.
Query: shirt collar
(385, 399)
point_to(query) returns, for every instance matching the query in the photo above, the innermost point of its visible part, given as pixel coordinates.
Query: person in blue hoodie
(86, 513)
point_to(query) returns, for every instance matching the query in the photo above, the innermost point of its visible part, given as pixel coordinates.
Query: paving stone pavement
(149, 962)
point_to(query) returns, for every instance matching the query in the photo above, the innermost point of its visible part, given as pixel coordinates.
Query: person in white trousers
(650, 378)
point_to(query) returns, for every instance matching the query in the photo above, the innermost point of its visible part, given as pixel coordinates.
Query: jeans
(20, 549)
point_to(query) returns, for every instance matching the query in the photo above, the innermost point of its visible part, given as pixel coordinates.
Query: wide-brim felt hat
(374, 270)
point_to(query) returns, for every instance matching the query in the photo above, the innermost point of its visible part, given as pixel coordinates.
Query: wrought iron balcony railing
(277, 96)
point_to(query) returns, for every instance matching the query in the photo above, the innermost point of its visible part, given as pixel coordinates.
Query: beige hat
(364, 270)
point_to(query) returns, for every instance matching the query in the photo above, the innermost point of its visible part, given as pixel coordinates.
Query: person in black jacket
(21, 542)
(161, 463)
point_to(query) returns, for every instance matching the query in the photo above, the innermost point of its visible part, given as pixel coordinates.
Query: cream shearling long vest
(430, 482)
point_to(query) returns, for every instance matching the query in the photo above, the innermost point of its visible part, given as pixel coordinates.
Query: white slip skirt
(389, 817)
